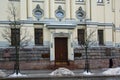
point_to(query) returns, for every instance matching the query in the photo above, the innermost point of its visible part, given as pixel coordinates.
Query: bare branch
(6, 34)
(12, 11)
(89, 40)
(25, 38)
(90, 35)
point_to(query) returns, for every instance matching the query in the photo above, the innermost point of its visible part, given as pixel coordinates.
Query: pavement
(38, 73)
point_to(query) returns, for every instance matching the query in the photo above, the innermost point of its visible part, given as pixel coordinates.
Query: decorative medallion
(60, 13)
(38, 12)
(80, 14)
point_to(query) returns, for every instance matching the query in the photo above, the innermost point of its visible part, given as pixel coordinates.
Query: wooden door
(61, 50)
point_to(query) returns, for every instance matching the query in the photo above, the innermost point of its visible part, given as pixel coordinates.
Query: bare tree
(89, 41)
(6, 34)
(25, 38)
(14, 22)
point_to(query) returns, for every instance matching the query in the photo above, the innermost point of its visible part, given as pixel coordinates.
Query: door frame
(52, 45)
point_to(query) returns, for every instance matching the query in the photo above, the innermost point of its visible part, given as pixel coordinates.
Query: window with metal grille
(81, 36)
(38, 36)
(15, 36)
(100, 37)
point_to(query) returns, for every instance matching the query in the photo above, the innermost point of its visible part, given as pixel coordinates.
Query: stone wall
(46, 64)
(94, 64)
(26, 65)
(39, 59)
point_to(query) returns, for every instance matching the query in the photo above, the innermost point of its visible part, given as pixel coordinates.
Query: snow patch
(112, 71)
(87, 73)
(2, 74)
(62, 72)
(17, 75)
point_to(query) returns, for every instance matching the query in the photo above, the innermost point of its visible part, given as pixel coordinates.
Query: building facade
(63, 25)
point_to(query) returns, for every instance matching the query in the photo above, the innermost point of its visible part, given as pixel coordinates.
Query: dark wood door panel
(61, 51)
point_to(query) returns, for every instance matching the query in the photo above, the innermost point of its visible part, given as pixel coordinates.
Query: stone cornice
(95, 23)
(61, 23)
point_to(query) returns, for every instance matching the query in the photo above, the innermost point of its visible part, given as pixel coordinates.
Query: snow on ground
(17, 75)
(87, 73)
(2, 74)
(62, 72)
(112, 71)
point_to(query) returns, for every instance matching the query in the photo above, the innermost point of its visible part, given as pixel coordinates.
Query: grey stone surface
(2, 74)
